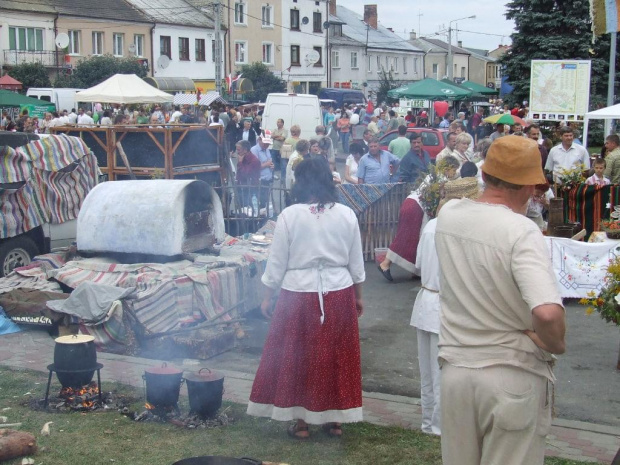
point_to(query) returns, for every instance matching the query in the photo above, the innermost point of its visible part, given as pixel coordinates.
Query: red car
(433, 140)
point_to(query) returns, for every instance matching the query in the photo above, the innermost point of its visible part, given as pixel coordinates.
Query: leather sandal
(294, 430)
(332, 429)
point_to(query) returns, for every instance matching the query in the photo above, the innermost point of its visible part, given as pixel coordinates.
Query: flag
(604, 14)
(229, 81)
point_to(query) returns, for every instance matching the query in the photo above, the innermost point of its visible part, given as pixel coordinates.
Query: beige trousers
(497, 415)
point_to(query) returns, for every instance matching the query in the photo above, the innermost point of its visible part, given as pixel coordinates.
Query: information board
(559, 90)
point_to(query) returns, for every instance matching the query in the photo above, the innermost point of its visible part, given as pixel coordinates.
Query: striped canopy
(205, 99)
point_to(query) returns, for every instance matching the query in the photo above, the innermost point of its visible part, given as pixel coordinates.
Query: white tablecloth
(580, 267)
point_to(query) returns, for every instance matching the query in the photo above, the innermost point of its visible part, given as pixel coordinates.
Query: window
(213, 51)
(387, 64)
(97, 43)
(354, 60)
(462, 71)
(404, 65)
(436, 70)
(415, 66)
(369, 63)
(335, 30)
(295, 20)
(268, 53)
(138, 42)
(335, 59)
(295, 52)
(317, 22)
(378, 63)
(241, 51)
(118, 42)
(319, 50)
(395, 64)
(239, 13)
(74, 42)
(184, 48)
(165, 46)
(25, 38)
(267, 16)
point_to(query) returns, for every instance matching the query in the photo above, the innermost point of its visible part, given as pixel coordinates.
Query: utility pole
(450, 65)
(611, 80)
(420, 23)
(218, 46)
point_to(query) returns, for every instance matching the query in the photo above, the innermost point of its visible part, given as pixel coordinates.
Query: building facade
(362, 50)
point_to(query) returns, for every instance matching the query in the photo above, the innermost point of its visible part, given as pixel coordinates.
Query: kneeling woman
(310, 369)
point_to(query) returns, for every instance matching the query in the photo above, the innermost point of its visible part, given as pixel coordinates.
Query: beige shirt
(495, 269)
(277, 144)
(445, 153)
(612, 172)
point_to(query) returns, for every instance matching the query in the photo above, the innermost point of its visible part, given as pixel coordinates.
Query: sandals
(332, 429)
(386, 273)
(296, 432)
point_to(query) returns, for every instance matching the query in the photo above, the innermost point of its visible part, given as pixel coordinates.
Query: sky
(490, 19)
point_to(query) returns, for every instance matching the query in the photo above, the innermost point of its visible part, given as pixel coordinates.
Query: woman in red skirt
(310, 370)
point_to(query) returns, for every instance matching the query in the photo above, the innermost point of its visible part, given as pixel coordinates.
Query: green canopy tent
(480, 89)
(15, 103)
(475, 94)
(430, 89)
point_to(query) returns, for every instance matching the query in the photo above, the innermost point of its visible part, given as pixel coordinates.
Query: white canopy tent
(124, 89)
(612, 112)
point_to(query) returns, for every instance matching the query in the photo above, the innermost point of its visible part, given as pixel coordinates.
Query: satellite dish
(305, 20)
(132, 48)
(163, 62)
(313, 57)
(62, 40)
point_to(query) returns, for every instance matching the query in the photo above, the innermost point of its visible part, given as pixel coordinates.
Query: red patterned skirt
(404, 247)
(308, 370)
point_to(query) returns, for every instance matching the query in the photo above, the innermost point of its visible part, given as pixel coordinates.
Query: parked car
(17, 251)
(433, 140)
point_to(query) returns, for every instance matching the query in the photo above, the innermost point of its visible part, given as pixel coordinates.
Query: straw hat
(460, 188)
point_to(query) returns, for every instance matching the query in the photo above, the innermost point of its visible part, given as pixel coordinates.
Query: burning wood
(84, 399)
(173, 416)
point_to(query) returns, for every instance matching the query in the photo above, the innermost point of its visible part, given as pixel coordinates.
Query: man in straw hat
(426, 309)
(501, 316)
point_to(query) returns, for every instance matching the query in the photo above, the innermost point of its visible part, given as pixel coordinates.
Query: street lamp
(450, 65)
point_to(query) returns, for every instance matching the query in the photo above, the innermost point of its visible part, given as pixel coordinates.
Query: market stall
(15, 104)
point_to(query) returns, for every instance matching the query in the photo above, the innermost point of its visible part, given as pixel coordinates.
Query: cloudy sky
(402, 15)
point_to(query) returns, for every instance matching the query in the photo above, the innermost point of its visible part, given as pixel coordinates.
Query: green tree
(553, 30)
(31, 75)
(94, 70)
(386, 83)
(264, 81)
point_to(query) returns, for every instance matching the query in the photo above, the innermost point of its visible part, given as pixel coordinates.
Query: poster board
(559, 90)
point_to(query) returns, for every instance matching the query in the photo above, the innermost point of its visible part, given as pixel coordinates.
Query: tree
(96, 69)
(553, 30)
(264, 81)
(386, 83)
(31, 75)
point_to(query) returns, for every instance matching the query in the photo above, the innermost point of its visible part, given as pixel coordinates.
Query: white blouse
(426, 307)
(315, 251)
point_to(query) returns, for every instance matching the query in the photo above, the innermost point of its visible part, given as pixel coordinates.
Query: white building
(361, 50)
(303, 40)
(185, 37)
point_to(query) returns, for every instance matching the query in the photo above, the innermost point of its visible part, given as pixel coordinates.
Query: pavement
(570, 439)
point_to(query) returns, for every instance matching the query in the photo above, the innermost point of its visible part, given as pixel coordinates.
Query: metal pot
(75, 359)
(205, 392)
(163, 385)
(217, 460)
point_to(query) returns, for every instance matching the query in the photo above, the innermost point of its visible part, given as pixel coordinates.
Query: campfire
(83, 399)
(172, 415)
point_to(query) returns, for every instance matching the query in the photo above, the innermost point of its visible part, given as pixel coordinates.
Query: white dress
(352, 164)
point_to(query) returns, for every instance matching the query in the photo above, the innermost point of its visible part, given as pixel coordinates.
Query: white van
(303, 110)
(64, 99)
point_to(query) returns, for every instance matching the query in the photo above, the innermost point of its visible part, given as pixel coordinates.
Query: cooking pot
(217, 460)
(205, 392)
(75, 359)
(163, 385)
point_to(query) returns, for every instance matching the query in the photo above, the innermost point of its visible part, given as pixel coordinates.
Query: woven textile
(359, 197)
(48, 195)
(588, 204)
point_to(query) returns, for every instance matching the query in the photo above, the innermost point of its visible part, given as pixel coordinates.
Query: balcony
(50, 58)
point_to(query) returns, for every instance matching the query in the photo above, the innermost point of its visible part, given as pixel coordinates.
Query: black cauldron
(205, 392)
(217, 460)
(75, 360)
(163, 385)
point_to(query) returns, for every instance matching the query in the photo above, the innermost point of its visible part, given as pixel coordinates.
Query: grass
(110, 438)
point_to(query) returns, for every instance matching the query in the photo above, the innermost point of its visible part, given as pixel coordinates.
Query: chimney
(332, 7)
(460, 44)
(370, 15)
(413, 35)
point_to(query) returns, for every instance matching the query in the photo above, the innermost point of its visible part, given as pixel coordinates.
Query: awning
(172, 84)
(205, 99)
(204, 86)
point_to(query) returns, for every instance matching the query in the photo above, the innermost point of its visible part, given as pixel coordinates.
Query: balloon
(441, 108)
